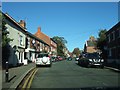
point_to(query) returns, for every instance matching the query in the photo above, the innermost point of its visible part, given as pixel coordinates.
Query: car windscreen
(92, 56)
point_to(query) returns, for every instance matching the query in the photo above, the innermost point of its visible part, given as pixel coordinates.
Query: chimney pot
(39, 29)
(22, 23)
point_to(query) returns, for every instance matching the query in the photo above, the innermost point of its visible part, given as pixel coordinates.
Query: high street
(67, 74)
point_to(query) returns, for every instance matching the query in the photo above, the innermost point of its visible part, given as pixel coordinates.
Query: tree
(61, 44)
(5, 41)
(76, 51)
(101, 42)
(5, 33)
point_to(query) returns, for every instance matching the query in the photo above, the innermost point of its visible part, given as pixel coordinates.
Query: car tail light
(49, 57)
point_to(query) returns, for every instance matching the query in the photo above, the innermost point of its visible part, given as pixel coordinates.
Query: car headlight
(90, 60)
(102, 60)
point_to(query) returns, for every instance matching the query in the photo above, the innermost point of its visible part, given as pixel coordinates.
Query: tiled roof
(14, 21)
(114, 28)
(42, 36)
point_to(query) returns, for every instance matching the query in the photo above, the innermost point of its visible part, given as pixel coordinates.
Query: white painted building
(17, 46)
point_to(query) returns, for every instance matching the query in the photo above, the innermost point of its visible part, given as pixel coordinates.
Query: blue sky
(75, 21)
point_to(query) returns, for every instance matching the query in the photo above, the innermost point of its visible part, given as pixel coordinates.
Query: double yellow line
(28, 81)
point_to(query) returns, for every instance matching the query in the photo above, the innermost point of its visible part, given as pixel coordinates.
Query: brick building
(89, 46)
(44, 38)
(53, 47)
(113, 43)
(51, 44)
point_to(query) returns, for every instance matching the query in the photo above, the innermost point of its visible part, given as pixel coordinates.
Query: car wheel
(36, 65)
(49, 65)
(102, 66)
(79, 63)
(88, 66)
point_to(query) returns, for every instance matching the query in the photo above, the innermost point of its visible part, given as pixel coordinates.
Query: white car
(43, 59)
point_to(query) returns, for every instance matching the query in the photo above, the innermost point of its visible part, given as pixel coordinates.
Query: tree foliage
(5, 33)
(76, 51)
(61, 44)
(5, 41)
(101, 40)
(101, 43)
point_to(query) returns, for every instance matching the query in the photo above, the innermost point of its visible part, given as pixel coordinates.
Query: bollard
(7, 72)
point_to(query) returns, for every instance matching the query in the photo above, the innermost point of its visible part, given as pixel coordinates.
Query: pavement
(16, 75)
(113, 69)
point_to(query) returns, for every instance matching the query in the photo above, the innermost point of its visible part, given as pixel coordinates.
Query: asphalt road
(67, 74)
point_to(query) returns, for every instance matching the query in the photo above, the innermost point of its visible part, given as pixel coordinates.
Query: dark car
(91, 59)
(69, 58)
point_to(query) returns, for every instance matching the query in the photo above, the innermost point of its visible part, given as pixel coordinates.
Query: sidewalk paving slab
(16, 75)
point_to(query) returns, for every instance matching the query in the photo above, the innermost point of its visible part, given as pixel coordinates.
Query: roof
(14, 21)
(42, 36)
(22, 29)
(33, 36)
(53, 40)
(114, 28)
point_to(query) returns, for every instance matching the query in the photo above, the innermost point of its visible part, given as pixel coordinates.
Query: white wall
(14, 33)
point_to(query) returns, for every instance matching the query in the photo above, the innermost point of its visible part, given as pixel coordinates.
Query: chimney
(39, 29)
(22, 23)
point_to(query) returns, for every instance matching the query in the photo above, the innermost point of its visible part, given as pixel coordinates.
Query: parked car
(53, 58)
(59, 58)
(43, 59)
(76, 58)
(91, 59)
(69, 58)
